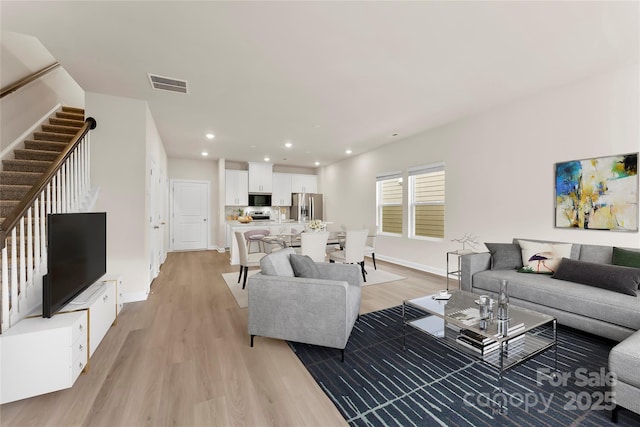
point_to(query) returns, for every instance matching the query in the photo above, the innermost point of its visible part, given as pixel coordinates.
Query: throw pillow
(624, 280)
(626, 257)
(539, 257)
(505, 256)
(277, 263)
(304, 266)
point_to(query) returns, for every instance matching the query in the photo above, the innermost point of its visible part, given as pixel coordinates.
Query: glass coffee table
(502, 344)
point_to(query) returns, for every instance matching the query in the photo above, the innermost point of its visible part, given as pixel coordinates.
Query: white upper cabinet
(304, 183)
(260, 177)
(236, 188)
(281, 195)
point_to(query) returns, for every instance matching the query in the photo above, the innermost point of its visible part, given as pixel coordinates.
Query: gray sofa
(591, 309)
(313, 310)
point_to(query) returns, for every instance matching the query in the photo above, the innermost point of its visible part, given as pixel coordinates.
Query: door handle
(156, 227)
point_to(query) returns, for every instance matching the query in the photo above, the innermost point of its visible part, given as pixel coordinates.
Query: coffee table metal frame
(439, 313)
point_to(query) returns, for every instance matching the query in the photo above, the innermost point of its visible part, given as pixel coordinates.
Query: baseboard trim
(415, 266)
(134, 297)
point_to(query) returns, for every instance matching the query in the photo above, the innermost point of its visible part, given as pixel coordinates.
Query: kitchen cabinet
(236, 188)
(260, 177)
(304, 183)
(281, 195)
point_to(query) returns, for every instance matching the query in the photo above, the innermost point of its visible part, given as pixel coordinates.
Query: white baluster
(88, 160)
(22, 267)
(5, 289)
(14, 271)
(44, 209)
(30, 248)
(37, 212)
(58, 192)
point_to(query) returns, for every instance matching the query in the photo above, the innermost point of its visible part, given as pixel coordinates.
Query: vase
(503, 301)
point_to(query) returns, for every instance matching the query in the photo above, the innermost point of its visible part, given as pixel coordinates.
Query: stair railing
(59, 190)
(25, 81)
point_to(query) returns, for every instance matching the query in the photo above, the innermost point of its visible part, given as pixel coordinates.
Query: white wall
(22, 55)
(201, 170)
(157, 153)
(118, 167)
(499, 168)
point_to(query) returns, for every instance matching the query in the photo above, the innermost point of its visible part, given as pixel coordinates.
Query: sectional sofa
(590, 308)
(592, 288)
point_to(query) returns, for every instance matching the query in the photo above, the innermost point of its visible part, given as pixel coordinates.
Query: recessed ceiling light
(266, 159)
(288, 144)
(204, 153)
(317, 163)
(210, 136)
(348, 151)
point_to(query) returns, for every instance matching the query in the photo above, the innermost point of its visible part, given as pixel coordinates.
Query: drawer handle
(105, 298)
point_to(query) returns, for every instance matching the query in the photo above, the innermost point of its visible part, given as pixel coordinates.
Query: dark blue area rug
(431, 383)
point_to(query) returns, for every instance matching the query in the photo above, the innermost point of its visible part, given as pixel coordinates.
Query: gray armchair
(319, 311)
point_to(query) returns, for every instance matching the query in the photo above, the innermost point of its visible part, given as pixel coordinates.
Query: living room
(499, 160)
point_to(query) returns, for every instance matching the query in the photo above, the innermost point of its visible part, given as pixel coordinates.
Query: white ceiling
(325, 76)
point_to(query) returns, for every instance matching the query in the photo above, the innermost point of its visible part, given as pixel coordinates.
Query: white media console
(40, 355)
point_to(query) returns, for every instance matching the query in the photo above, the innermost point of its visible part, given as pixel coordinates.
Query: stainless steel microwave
(259, 199)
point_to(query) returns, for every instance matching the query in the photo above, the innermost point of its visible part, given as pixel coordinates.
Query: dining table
(293, 240)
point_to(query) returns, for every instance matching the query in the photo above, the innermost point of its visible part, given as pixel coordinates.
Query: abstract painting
(598, 194)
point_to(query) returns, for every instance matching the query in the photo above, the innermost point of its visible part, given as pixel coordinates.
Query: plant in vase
(316, 225)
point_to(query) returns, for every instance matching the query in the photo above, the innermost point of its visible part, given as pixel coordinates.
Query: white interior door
(190, 218)
(155, 220)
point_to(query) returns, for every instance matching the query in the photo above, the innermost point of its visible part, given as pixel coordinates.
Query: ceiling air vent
(168, 83)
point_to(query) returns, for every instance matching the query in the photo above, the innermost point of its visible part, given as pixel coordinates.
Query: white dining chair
(246, 259)
(370, 245)
(314, 244)
(255, 236)
(353, 252)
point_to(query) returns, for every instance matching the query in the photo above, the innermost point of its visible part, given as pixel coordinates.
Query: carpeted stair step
(35, 155)
(7, 206)
(67, 130)
(71, 116)
(13, 192)
(77, 124)
(56, 146)
(19, 178)
(74, 110)
(20, 165)
(51, 136)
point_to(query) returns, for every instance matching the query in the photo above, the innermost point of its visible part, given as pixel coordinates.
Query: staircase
(19, 174)
(24, 253)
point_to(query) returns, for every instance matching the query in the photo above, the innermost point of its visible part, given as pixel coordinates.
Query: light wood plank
(183, 358)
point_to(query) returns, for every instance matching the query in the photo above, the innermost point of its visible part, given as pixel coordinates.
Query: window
(389, 201)
(426, 198)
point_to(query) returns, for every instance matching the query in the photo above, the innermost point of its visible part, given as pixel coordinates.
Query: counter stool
(255, 236)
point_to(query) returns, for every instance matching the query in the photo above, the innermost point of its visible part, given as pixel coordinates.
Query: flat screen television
(76, 257)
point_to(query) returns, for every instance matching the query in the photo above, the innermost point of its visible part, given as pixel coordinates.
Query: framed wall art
(597, 194)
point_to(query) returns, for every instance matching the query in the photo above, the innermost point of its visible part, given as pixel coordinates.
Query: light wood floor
(183, 358)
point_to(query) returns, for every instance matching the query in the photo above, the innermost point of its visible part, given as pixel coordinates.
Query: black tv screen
(76, 257)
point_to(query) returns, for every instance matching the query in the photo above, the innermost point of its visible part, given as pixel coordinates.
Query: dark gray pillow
(505, 256)
(304, 266)
(624, 280)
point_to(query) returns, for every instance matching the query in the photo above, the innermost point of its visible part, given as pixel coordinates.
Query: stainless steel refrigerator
(306, 206)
